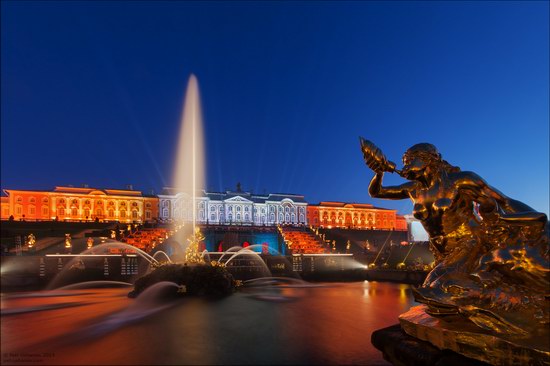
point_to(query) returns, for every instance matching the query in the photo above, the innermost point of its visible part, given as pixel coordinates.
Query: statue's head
(418, 158)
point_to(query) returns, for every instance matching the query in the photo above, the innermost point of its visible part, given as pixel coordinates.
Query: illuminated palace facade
(213, 208)
(240, 208)
(354, 216)
(79, 204)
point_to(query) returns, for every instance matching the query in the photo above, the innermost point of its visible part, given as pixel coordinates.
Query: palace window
(18, 199)
(45, 200)
(238, 217)
(287, 209)
(148, 214)
(246, 217)
(246, 209)
(62, 201)
(148, 205)
(45, 210)
(272, 217)
(87, 202)
(99, 212)
(134, 204)
(271, 209)
(74, 212)
(165, 212)
(18, 210)
(61, 211)
(32, 210)
(134, 215)
(213, 217)
(123, 214)
(281, 218)
(32, 200)
(75, 202)
(238, 208)
(302, 218)
(87, 213)
(111, 213)
(122, 204)
(263, 210)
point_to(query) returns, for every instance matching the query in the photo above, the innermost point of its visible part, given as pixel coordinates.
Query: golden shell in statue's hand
(374, 158)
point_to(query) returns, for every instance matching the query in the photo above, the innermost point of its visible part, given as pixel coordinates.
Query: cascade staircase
(301, 241)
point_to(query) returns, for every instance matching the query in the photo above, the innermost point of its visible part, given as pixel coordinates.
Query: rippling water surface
(329, 323)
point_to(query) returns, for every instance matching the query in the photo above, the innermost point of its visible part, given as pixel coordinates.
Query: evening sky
(92, 92)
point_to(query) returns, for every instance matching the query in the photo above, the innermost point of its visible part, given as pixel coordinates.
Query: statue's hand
(374, 158)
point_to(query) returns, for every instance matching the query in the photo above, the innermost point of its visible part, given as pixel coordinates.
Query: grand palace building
(79, 204)
(212, 208)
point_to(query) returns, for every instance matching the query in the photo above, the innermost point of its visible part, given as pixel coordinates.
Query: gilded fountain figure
(491, 251)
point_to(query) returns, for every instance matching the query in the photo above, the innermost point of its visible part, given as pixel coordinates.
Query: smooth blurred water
(329, 323)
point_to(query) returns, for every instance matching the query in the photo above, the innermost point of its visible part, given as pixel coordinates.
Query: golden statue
(491, 252)
(192, 254)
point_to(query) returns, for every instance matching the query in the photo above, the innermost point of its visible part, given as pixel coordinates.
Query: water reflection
(329, 324)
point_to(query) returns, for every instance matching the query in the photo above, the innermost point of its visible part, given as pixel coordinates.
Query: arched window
(246, 217)
(32, 200)
(122, 214)
(134, 215)
(246, 209)
(238, 208)
(213, 217)
(87, 212)
(148, 205)
(99, 212)
(62, 201)
(45, 210)
(293, 218)
(287, 209)
(287, 217)
(74, 212)
(165, 212)
(302, 218)
(272, 217)
(238, 217)
(18, 199)
(61, 211)
(230, 216)
(32, 210)
(75, 202)
(111, 213)
(45, 200)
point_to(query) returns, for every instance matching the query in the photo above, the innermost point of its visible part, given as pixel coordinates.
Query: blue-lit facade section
(258, 242)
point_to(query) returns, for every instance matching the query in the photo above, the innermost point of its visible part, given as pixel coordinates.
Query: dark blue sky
(92, 92)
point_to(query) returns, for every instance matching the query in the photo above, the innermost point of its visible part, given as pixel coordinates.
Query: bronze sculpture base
(463, 337)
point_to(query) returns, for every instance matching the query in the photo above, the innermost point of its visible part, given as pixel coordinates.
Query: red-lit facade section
(79, 204)
(354, 216)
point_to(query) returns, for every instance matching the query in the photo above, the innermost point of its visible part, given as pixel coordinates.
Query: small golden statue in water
(491, 252)
(192, 255)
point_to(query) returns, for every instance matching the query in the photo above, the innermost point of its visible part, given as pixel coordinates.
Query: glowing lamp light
(68, 244)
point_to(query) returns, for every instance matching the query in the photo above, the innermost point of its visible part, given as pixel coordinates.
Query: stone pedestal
(463, 337)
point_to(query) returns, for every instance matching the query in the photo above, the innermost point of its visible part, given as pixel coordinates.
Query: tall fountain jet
(189, 170)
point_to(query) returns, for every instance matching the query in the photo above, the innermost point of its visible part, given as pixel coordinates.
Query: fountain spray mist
(189, 170)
